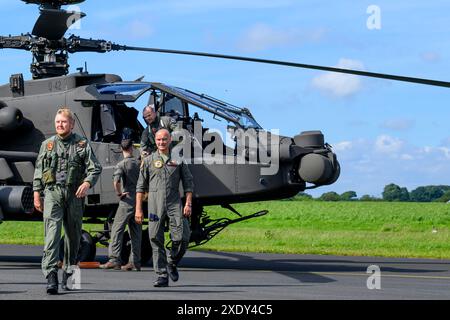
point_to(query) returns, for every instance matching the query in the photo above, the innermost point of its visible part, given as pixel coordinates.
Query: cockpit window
(123, 89)
(227, 111)
(173, 106)
(107, 119)
(248, 122)
(111, 120)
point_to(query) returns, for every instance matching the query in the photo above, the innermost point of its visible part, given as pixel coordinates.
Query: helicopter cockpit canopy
(241, 117)
(111, 116)
(124, 90)
(118, 91)
(131, 91)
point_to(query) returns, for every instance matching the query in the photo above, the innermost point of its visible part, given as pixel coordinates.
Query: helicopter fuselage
(99, 105)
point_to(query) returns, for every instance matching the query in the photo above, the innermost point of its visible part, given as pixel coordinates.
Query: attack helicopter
(100, 105)
(231, 173)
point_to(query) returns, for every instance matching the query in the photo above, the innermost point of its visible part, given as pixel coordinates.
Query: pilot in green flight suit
(160, 176)
(66, 168)
(154, 123)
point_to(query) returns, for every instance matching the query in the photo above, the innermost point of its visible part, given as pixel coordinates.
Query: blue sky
(382, 131)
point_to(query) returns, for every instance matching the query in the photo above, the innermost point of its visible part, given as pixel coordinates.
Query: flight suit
(148, 143)
(126, 171)
(160, 176)
(61, 167)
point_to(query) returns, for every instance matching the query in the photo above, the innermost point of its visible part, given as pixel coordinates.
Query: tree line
(391, 192)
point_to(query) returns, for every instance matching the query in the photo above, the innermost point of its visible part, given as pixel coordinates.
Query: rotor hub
(56, 4)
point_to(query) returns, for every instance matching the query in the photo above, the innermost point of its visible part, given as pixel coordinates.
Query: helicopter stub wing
(52, 24)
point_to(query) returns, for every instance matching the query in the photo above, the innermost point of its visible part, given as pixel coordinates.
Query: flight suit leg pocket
(175, 222)
(52, 207)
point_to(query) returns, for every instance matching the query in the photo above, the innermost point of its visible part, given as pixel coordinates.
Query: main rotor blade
(52, 24)
(293, 64)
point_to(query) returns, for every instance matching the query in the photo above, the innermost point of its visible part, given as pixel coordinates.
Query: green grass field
(311, 227)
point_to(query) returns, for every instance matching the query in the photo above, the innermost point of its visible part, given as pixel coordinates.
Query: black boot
(161, 282)
(65, 277)
(52, 283)
(173, 272)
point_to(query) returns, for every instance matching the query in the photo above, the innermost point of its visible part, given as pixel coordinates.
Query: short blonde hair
(66, 112)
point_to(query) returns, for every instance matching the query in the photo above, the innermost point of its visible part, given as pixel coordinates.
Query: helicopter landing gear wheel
(86, 251)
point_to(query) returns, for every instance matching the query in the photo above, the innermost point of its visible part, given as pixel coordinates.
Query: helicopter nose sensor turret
(321, 166)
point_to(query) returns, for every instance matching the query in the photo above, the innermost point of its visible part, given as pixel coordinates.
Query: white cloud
(426, 149)
(442, 152)
(387, 160)
(342, 146)
(406, 156)
(354, 151)
(208, 5)
(183, 7)
(340, 85)
(358, 123)
(430, 56)
(139, 30)
(133, 30)
(112, 14)
(446, 141)
(445, 151)
(398, 124)
(261, 36)
(388, 144)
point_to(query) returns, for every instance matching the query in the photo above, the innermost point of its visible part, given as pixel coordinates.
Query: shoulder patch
(82, 144)
(145, 161)
(50, 145)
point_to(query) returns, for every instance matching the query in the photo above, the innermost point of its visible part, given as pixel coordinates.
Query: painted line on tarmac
(410, 276)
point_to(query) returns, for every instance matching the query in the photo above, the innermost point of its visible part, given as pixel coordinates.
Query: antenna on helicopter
(83, 70)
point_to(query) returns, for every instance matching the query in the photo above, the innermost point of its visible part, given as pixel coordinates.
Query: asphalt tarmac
(208, 275)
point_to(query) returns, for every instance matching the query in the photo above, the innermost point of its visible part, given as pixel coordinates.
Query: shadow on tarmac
(301, 270)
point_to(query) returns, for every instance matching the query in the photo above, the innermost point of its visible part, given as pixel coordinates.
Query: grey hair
(150, 106)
